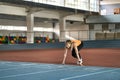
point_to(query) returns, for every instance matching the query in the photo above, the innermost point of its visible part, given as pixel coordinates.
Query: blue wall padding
(87, 44)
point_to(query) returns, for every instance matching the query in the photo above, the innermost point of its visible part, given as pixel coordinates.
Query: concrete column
(62, 24)
(30, 25)
(53, 24)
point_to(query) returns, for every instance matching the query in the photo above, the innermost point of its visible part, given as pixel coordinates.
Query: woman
(75, 46)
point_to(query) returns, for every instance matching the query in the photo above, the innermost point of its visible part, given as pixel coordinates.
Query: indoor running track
(41, 71)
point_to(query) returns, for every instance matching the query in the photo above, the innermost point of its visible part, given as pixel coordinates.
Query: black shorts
(78, 47)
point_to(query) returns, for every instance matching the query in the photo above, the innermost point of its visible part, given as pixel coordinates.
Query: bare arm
(71, 47)
(65, 54)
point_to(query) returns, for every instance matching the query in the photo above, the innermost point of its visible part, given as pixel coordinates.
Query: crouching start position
(75, 46)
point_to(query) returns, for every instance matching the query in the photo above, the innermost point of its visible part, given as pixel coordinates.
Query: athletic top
(77, 42)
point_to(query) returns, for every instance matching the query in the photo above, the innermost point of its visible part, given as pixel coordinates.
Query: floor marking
(88, 74)
(35, 73)
(16, 68)
(24, 63)
(10, 65)
(28, 66)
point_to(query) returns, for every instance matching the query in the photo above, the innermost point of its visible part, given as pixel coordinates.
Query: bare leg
(78, 56)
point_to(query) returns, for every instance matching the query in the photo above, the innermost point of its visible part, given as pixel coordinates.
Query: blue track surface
(40, 71)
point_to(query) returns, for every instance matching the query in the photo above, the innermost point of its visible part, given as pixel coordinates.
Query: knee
(65, 55)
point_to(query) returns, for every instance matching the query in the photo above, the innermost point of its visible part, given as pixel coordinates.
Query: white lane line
(33, 66)
(23, 63)
(25, 66)
(35, 73)
(11, 64)
(21, 66)
(90, 74)
(17, 63)
(4, 62)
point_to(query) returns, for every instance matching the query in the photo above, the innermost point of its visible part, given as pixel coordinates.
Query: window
(24, 28)
(84, 4)
(54, 2)
(117, 26)
(71, 3)
(35, 0)
(103, 12)
(94, 5)
(19, 28)
(104, 27)
(89, 5)
(91, 26)
(27, 0)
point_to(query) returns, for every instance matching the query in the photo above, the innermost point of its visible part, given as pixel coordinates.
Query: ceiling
(109, 2)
